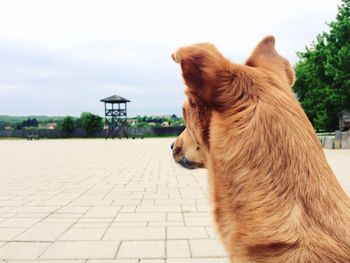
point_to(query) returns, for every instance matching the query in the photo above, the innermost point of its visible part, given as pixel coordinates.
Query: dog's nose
(172, 146)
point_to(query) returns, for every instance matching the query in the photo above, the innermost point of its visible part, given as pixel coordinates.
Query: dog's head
(216, 85)
(190, 148)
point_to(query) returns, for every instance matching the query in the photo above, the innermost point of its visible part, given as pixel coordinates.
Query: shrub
(68, 124)
(91, 123)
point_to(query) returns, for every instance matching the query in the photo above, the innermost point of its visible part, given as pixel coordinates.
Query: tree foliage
(3, 125)
(156, 121)
(323, 73)
(90, 122)
(29, 123)
(68, 124)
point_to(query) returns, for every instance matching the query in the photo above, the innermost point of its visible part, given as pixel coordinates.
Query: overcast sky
(61, 57)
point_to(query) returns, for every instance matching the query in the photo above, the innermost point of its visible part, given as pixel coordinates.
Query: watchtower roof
(115, 99)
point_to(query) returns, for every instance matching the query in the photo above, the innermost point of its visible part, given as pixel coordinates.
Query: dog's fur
(275, 197)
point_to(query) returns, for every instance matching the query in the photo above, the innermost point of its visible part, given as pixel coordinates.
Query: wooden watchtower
(116, 116)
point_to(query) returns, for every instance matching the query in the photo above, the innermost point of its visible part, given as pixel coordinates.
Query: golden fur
(275, 198)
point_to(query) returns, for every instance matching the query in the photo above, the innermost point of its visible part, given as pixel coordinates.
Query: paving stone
(103, 211)
(152, 261)
(128, 208)
(7, 234)
(193, 219)
(131, 224)
(73, 210)
(96, 220)
(69, 221)
(206, 248)
(189, 208)
(73, 216)
(136, 233)
(81, 250)
(29, 215)
(204, 208)
(177, 249)
(43, 232)
(15, 222)
(186, 232)
(174, 223)
(73, 195)
(112, 261)
(158, 208)
(142, 249)
(46, 261)
(83, 234)
(212, 232)
(140, 217)
(22, 250)
(91, 225)
(198, 260)
(125, 202)
(34, 209)
(175, 217)
(145, 203)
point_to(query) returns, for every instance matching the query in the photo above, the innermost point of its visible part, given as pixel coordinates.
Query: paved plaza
(98, 201)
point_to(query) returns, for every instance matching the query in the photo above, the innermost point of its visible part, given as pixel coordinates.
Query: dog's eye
(198, 148)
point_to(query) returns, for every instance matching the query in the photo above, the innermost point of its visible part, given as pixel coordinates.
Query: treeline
(18, 119)
(89, 122)
(157, 121)
(27, 123)
(323, 73)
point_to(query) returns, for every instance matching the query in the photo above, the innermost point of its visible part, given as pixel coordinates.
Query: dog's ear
(265, 56)
(201, 64)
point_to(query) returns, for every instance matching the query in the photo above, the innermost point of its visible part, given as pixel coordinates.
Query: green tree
(68, 124)
(3, 125)
(323, 73)
(30, 123)
(91, 123)
(141, 124)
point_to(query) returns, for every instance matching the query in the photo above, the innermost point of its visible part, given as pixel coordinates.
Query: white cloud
(77, 24)
(75, 49)
(8, 87)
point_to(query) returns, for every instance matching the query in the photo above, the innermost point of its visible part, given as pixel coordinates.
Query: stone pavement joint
(108, 201)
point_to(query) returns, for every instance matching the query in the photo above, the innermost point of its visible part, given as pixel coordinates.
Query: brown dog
(275, 197)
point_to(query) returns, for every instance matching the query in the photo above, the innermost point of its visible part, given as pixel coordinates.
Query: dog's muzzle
(184, 162)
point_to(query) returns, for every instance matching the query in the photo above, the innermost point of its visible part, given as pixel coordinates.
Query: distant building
(166, 124)
(132, 122)
(49, 126)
